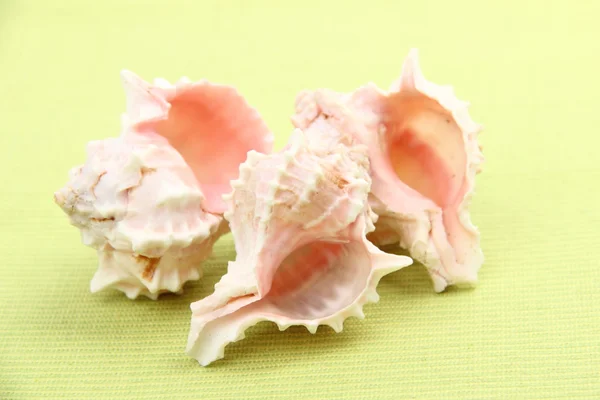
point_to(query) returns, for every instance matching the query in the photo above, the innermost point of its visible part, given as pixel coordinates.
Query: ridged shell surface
(138, 204)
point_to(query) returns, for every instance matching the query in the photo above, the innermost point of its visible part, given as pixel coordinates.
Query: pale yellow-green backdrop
(531, 71)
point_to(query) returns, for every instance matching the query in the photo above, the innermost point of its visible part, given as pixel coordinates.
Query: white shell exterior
(137, 203)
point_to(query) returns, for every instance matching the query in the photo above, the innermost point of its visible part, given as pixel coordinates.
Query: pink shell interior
(423, 155)
(426, 151)
(321, 282)
(314, 281)
(213, 141)
(304, 285)
(425, 147)
(211, 126)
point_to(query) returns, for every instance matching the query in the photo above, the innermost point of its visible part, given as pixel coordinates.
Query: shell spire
(138, 204)
(424, 157)
(299, 220)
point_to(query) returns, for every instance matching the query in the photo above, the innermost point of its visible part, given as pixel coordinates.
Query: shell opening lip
(210, 125)
(319, 278)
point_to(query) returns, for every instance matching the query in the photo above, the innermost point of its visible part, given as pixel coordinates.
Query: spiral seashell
(299, 219)
(151, 201)
(424, 157)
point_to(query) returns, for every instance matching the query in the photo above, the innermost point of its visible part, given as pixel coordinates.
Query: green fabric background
(529, 330)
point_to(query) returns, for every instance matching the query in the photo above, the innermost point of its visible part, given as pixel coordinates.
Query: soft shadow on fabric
(408, 288)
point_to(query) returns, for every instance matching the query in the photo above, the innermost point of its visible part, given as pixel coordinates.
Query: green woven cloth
(529, 330)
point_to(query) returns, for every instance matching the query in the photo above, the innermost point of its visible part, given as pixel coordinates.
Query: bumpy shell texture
(210, 125)
(139, 205)
(424, 156)
(299, 219)
(151, 201)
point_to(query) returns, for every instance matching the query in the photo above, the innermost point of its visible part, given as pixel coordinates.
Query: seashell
(299, 219)
(424, 156)
(210, 125)
(138, 204)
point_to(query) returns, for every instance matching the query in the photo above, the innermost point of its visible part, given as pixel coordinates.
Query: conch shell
(210, 125)
(299, 220)
(150, 201)
(138, 204)
(424, 156)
